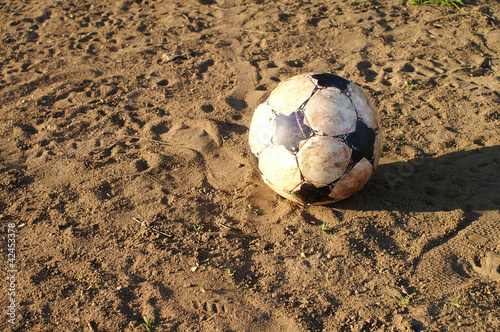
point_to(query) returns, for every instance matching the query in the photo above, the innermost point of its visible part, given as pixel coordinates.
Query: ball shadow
(467, 180)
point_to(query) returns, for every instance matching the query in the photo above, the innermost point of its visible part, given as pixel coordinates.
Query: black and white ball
(317, 138)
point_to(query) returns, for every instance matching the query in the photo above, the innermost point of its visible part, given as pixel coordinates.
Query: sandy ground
(127, 184)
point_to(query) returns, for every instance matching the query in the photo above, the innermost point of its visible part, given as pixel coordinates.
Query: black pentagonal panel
(326, 80)
(308, 193)
(361, 141)
(290, 130)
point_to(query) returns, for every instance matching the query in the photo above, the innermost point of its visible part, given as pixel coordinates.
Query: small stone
(194, 268)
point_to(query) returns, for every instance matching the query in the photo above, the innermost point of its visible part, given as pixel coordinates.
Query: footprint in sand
(452, 265)
(487, 266)
(208, 307)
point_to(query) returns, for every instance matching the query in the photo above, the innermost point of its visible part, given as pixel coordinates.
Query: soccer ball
(316, 139)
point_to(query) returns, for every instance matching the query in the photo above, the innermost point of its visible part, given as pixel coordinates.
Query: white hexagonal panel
(280, 167)
(323, 159)
(290, 94)
(364, 106)
(331, 112)
(261, 128)
(283, 193)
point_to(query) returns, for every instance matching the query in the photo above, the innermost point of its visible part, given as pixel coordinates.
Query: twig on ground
(152, 228)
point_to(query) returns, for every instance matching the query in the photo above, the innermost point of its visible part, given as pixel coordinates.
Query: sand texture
(127, 179)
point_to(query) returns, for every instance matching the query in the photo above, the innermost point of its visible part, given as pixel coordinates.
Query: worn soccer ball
(317, 138)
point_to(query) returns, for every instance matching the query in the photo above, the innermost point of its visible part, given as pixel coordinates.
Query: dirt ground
(127, 184)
